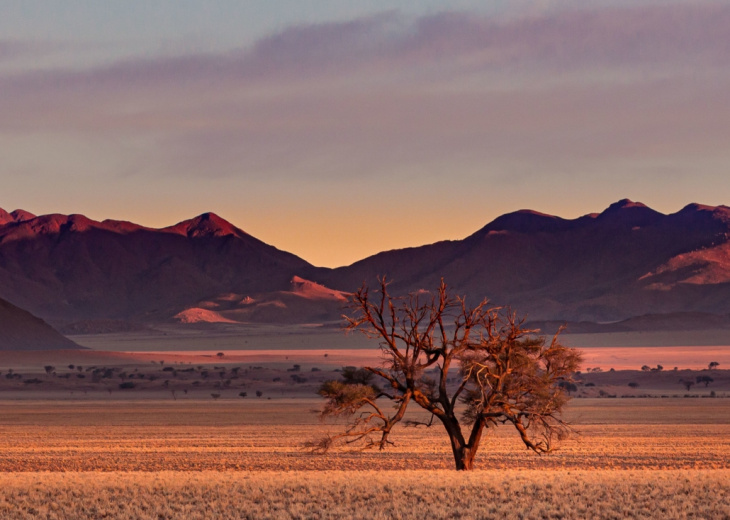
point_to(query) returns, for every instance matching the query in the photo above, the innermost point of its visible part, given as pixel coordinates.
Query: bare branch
(509, 375)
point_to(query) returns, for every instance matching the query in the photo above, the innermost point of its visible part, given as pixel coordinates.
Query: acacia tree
(443, 355)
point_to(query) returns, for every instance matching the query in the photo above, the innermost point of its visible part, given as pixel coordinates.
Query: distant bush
(126, 385)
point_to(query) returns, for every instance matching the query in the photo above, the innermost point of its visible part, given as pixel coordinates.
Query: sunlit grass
(244, 459)
(505, 494)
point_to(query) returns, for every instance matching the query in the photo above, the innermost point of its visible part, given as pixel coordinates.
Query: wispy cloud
(389, 92)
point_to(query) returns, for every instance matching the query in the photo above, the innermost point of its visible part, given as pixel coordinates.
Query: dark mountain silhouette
(20, 330)
(69, 268)
(625, 262)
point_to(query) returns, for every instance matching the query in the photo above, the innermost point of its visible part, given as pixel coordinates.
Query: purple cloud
(388, 92)
(387, 42)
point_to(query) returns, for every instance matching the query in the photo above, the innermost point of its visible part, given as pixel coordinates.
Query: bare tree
(443, 355)
(688, 384)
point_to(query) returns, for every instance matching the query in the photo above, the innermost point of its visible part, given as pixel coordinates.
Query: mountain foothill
(629, 265)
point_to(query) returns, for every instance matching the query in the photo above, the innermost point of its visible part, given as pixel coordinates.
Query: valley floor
(155, 435)
(151, 458)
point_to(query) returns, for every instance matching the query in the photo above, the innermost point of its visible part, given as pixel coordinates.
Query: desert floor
(227, 458)
(203, 435)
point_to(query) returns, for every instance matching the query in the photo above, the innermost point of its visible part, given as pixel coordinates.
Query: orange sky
(342, 129)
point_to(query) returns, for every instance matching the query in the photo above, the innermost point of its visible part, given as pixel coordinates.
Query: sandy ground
(165, 337)
(267, 435)
(619, 358)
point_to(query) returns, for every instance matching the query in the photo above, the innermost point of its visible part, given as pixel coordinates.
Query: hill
(625, 262)
(20, 330)
(68, 268)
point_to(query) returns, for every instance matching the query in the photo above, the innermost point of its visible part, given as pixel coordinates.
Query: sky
(338, 129)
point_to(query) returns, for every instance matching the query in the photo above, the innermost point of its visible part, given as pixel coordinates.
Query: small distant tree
(704, 379)
(713, 364)
(49, 369)
(259, 393)
(215, 395)
(507, 374)
(688, 384)
(220, 354)
(633, 384)
(646, 368)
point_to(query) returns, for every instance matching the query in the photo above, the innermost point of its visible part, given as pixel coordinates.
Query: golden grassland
(182, 442)
(509, 494)
(633, 458)
(259, 435)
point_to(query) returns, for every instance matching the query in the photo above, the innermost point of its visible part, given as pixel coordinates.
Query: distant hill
(20, 330)
(626, 262)
(68, 268)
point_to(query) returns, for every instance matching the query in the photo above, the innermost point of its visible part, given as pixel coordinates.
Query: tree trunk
(464, 452)
(463, 457)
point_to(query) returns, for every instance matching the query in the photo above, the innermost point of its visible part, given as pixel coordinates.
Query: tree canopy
(472, 368)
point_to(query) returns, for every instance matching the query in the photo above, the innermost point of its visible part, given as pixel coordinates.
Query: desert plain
(212, 433)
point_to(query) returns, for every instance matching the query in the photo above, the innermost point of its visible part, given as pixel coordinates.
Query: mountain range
(625, 262)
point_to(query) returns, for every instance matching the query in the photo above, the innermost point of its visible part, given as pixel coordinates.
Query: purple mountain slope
(20, 330)
(626, 261)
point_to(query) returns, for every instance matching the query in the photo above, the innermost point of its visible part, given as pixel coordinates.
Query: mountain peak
(720, 213)
(206, 224)
(628, 212)
(19, 215)
(524, 221)
(626, 204)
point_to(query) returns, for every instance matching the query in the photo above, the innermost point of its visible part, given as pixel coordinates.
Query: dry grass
(259, 435)
(419, 494)
(635, 458)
